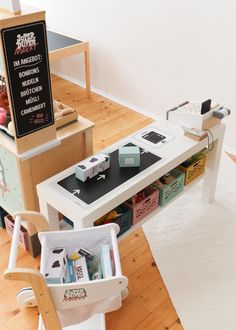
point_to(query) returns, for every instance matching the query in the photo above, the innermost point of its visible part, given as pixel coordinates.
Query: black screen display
(153, 137)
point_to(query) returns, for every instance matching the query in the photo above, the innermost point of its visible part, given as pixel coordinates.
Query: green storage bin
(168, 191)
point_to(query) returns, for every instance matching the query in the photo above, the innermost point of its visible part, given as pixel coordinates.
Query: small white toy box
(56, 266)
(92, 166)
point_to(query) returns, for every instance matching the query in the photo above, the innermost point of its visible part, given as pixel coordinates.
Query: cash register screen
(153, 137)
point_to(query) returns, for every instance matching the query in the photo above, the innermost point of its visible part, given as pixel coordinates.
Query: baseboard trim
(109, 96)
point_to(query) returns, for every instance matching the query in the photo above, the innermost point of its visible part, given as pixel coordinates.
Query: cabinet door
(10, 192)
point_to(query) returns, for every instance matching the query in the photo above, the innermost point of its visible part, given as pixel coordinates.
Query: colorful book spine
(105, 260)
(70, 275)
(81, 270)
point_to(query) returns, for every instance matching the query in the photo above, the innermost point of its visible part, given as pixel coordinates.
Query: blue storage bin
(3, 213)
(124, 219)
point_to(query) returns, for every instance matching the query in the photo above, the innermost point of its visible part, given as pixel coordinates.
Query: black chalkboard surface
(58, 41)
(26, 56)
(97, 187)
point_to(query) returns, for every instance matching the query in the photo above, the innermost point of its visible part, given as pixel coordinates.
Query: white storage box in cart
(78, 301)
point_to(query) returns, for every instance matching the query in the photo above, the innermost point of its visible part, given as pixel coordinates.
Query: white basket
(97, 296)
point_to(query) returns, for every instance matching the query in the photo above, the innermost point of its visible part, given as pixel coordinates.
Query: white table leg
(50, 213)
(78, 225)
(213, 162)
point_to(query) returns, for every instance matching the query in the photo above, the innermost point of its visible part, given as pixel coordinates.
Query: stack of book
(80, 265)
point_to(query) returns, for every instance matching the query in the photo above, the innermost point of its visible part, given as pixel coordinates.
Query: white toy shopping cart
(77, 305)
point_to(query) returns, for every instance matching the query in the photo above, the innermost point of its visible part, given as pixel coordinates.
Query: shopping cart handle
(33, 218)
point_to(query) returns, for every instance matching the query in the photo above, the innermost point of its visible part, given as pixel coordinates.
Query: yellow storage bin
(194, 166)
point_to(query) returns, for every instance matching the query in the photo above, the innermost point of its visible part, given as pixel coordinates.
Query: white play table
(53, 198)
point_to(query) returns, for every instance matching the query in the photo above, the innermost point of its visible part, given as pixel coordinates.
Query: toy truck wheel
(124, 293)
(26, 298)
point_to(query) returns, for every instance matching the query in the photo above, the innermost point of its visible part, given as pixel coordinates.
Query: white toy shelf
(92, 298)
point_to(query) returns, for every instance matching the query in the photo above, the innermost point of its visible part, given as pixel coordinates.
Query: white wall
(153, 54)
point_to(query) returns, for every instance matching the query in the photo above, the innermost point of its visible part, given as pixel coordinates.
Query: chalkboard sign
(26, 57)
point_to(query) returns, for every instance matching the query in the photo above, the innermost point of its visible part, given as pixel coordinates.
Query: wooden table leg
(87, 70)
(88, 143)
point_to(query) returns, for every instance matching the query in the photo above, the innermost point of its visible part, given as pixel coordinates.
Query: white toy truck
(90, 167)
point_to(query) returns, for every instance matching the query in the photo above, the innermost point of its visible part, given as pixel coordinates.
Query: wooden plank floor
(148, 305)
